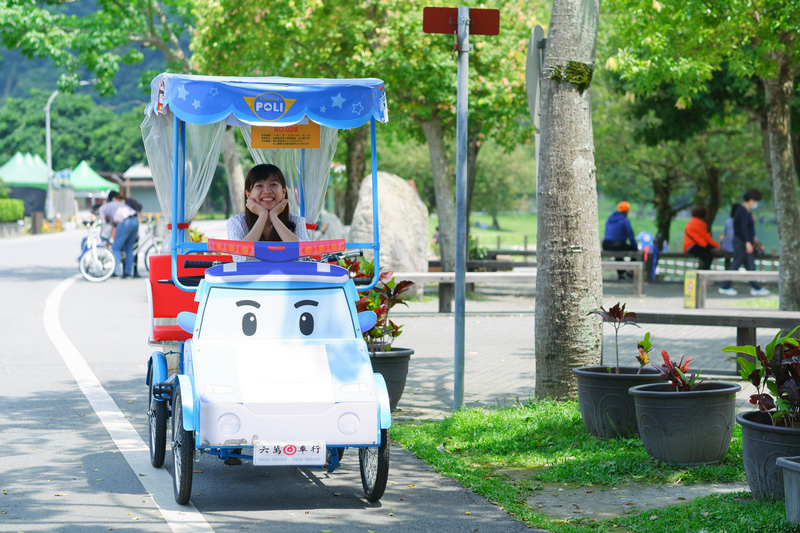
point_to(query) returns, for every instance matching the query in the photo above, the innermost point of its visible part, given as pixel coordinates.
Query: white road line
(156, 481)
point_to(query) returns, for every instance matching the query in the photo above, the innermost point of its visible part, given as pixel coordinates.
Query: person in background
(134, 204)
(744, 239)
(126, 223)
(619, 234)
(697, 240)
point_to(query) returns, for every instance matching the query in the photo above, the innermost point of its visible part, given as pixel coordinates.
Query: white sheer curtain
(203, 146)
(308, 168)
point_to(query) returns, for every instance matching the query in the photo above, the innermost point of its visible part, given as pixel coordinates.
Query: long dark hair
(261, 173)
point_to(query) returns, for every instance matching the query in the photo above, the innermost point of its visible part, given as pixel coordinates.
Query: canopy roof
(270, 101)
(83, 178)
(25, 171)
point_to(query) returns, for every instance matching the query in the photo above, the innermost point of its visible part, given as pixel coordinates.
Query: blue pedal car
(266, 362)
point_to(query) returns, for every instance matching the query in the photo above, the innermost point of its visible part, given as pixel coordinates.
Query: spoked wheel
(151, 250)
(97, 267)
(182, 452)
(374, 464)
(157, 413)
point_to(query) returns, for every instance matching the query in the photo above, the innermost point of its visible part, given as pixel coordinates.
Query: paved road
(73, 426)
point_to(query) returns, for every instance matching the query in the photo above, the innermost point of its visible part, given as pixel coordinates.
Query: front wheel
(98, 264)
(157, 413)
(374, 463)
(151, 250)
(182, 452)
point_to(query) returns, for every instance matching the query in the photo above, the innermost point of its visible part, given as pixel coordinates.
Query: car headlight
(229, 424)
(349, 423)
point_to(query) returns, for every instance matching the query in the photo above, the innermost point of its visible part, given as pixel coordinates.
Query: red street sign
(445, 20)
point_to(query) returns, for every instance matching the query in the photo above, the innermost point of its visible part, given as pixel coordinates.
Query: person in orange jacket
(697, 239)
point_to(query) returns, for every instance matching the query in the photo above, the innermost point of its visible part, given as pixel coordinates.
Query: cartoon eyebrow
(305, 302)
(248, 302)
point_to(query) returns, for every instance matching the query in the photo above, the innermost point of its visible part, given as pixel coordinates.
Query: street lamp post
(49, 207)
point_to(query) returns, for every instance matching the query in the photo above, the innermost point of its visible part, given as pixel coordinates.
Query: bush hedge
(11, 209)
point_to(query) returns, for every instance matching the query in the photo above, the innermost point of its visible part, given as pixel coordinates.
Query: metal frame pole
(463, 47)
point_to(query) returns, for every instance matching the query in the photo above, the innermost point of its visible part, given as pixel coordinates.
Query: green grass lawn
(545, 442)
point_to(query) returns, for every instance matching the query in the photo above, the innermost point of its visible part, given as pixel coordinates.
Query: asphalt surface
(68, 465)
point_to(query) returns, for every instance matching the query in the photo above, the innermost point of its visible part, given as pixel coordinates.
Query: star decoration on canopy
(182, 92)
(358, 108)
(196, 104)
(338, 100)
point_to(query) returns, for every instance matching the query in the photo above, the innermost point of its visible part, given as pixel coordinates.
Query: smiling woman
(266, 216)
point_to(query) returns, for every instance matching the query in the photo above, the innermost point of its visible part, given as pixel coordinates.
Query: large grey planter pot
(791, 486)
(762, 444)
(606, 407)
(686, 428)
(393, 366)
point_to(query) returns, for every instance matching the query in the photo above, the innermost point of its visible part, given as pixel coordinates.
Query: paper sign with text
(295, 136)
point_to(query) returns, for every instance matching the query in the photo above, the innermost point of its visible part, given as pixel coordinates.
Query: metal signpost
(461, 21)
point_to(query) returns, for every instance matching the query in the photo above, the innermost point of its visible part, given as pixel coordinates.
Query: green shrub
(11, 209)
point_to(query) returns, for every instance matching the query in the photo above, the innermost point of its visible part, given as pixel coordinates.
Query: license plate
(289, 453)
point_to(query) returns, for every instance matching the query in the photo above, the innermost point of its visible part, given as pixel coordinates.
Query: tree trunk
(444, 190)
(779, 93)
(356, 141)
(664, 210)
(233, 168)
(569, 280)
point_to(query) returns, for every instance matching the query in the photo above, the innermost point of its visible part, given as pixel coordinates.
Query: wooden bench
(475, 265)
(494, 254)
(701, 279)
(446, 281)
(746, 321)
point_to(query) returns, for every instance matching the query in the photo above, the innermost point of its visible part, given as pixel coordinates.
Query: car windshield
(277, 314)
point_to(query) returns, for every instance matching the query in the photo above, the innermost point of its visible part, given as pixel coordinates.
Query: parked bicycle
(96, 261)
(151, 237)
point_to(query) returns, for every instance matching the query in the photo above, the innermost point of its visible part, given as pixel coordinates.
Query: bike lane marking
(157, 482)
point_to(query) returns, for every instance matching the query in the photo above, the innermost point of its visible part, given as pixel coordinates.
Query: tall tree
(305, 39)
(90, 40)
(685, 42)
(569, 283)
(382, 39)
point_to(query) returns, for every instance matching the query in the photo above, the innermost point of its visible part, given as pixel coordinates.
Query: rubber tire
(182, 452)
(374, 466)
(99, 270)
(157, 415)
(151, 250)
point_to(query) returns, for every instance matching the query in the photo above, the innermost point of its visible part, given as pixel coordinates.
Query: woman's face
(268, 192)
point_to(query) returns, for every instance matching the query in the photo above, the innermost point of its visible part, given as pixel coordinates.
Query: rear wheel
(151, 250)
(97, 265)
(182, 452)
(157, 413)
(374, 463)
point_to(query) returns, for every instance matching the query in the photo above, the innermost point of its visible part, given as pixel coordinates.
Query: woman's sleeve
(236, 231)
(235, 228)
(300, 228)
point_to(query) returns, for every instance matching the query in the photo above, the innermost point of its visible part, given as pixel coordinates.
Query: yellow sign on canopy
(294, 136)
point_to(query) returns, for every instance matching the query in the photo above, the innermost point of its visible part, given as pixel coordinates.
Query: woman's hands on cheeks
(278, 209)
(255, 207)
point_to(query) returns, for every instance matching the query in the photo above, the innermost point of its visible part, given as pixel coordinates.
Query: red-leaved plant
(381, 299)
(776, 369)
(618, 317)
(677, 374)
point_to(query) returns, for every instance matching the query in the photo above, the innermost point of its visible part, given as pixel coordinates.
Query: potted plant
(773, 430)
(391, 362)
(684, 421)
(606, 407)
